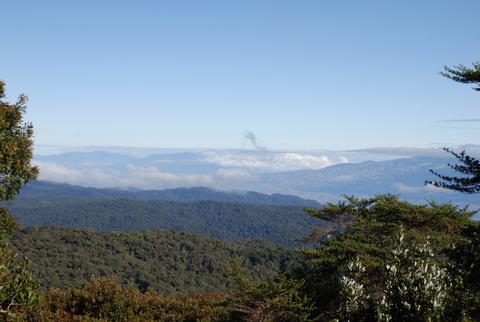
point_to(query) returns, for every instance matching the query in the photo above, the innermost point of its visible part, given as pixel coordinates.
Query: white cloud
(144, 177)
(343, 159)
(220, 169)
(268, 161)
(140, 177)
(150, 176)
(54, 172)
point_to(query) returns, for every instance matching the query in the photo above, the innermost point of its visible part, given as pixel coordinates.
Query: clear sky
(298, 74)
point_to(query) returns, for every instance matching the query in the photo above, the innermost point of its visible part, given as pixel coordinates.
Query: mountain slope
(170, 262)
(283, 225)
(46, 191)
(405, 177)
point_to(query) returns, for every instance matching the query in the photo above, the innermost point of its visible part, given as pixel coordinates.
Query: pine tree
(469, 166)
(464, 74)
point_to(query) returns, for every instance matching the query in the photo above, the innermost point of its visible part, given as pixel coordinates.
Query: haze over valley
(324, 176)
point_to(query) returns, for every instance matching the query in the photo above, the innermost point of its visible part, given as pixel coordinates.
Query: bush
(279, 301)
(103, 299)
(17, 286)
(416, 287)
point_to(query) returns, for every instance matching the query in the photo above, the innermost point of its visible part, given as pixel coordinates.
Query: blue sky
(299, 74)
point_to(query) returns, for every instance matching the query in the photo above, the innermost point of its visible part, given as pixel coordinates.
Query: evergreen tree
(369, 233)
(469, 166)
(16, 284)
(464, 74)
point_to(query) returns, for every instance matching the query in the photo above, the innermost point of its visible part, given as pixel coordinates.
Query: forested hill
(55, 191)
(170, 262)
(283, 225)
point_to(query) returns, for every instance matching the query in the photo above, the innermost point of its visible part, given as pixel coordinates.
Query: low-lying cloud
(268, 162)
(148, 177)
(224, 169)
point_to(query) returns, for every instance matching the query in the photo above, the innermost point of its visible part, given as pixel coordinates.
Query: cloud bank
(224, 168)
(269, 162)
(147, 177)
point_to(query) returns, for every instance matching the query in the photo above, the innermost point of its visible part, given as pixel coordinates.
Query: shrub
(103, 299)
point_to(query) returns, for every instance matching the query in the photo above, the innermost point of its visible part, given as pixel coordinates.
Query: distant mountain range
(50, 191)
(224, 215)
(319, 176)
(405, 177)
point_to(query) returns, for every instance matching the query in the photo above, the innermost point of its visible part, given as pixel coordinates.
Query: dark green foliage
(16, 285)
(469, 166)
(368, 230)
(284, 225)
(464, 74)
(167, 261)
(15, 147)
(50, 191)
(279, 301)
(8, 225)
(466, 263)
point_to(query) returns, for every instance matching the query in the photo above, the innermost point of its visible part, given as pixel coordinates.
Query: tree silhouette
(469, 166)
(464, 74)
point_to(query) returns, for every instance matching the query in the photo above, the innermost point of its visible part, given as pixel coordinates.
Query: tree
(415, 289)
(370, 235)
(464, 74)
(15, 147)
(263, 301)
(467, 255)
(469, 166)
(16, 284)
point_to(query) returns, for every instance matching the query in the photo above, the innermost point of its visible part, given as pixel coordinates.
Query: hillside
(45, 191)
(170, 262)
(283, 225)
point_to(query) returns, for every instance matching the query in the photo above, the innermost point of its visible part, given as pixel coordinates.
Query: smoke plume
(253, 139)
